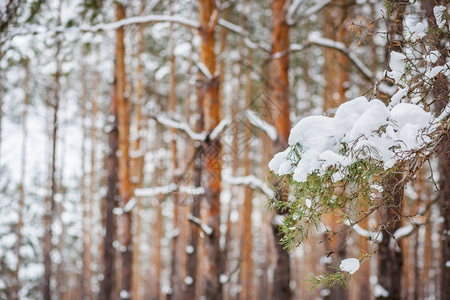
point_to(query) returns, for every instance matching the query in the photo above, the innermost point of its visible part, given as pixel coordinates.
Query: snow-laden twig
(320, 41)
(204, 70)
(166, 121)
(240, 31)
(204, 227)
(157, 190)
(256, 121)
(130, 205)
(250, 181)
(402, 232)
(141, 20)
(167, 189)
(375, 236)
(307, 13)
(223, 124)
(106, 26)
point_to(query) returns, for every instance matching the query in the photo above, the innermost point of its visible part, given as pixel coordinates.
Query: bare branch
(256, 120)
(307, 13)
(240, 31)
(167, 189)
(166, 121)
(217, 131)
(250, 181)
(319, 41)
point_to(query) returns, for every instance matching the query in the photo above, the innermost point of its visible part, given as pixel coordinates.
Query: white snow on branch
(204, 70)
(350, 265)
(130, 205)
(439, 14)
(292, 10)
(320, 41)
(191, 190)
(141, 20)
(315, 142)
(180, 126)
(159, 190)
(108, 26)
(240, 31)
(204, 227)
(251, 181)
(376, 236)
(223, 124)
(380, 291)
(403, 231)
(167, 189)
(256, 120)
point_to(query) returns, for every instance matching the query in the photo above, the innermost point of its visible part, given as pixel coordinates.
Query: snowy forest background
(135, 139)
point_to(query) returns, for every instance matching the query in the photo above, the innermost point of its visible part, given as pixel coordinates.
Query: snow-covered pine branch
(204, 70)
(204, 227)
(320, 41)
(167, 189)
(250, 181)
(138, 20)
(258, 122)
(293, 8)
(219, 129)
(166, 121)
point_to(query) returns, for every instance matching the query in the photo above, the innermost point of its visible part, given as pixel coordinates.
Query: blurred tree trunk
(50, 205)
(177, 251)
(93, 158)
(138, 163)
(189, 291)
(441, 95)
(125, 186)
(112, 164)
(23, 166)
(390, 258)
(208, 16)
(86, 291)
(247, 279)
(279, 96)
(337, 75)
(1, 112)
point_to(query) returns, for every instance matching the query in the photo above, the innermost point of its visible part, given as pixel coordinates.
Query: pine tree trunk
(279, 87)
(247, 291)
(441, 96)
(138, 164)
(176, 253)
(390, 257)
(50, 205)
(86, 275)
(125, 186)
(336, 73)
(112, 165)
(23, 166)
(189, 291)
(1, 114)
(208, 15)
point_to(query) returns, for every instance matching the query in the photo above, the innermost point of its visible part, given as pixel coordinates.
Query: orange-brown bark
(208, 16)
(279, 96)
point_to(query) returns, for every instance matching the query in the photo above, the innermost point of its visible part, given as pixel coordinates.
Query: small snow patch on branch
(256, 120)
(205, 228)
(350, 265)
